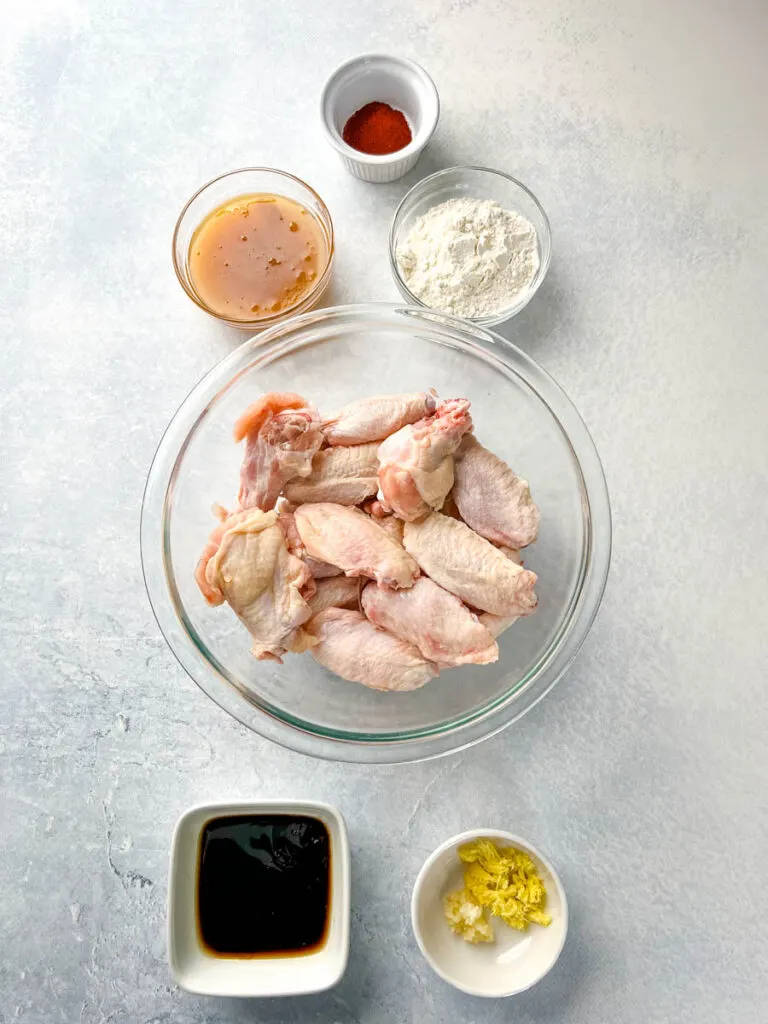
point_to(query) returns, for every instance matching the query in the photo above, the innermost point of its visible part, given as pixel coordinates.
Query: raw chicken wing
(260, 411)
(345, 475)
(511, 553)
(321, 570)
(212, 594)
(349, 645)
(282, 436)
(341, 592)
(416, 462)
(470, 566)
(373, 419)
(497, 624)
(389, 523)
(352, 540)
(492, 500)
(374, 507)
(444, 629)
(287, 522)
(261, 580)
(392, 526)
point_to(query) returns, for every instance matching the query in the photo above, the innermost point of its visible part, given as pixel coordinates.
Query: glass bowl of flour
(472, 242)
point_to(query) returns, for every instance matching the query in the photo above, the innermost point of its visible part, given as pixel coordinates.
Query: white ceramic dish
(197, 971)
(401, 83)
(516, 960)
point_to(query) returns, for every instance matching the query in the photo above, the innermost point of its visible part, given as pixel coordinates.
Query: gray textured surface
(642, 128)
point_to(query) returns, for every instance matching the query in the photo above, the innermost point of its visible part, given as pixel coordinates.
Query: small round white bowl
(516, 960)
(398, 81)
(475, 183)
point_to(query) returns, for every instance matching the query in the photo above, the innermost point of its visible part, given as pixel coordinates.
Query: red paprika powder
(377, 129)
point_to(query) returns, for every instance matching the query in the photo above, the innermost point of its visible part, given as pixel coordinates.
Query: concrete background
(642, 128)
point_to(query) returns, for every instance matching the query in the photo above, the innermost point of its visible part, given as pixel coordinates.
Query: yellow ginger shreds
(484, 853)
(505, 881)
(466, 917)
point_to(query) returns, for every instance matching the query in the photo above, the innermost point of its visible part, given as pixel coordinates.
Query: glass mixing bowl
(333, 356)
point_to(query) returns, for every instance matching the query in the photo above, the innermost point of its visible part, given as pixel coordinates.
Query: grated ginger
(501, 880)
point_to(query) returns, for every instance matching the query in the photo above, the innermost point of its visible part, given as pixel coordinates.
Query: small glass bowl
(476, 183)
(250, 181)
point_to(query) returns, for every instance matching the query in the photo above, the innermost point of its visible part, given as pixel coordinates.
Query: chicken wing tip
(256, 414)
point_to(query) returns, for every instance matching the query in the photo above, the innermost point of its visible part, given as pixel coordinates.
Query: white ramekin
(403, 84)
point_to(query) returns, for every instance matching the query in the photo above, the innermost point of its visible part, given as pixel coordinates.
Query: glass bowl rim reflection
(425, 189)
(289, 729)
(325, 223)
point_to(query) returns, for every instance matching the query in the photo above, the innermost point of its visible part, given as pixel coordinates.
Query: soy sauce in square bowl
(264, 885)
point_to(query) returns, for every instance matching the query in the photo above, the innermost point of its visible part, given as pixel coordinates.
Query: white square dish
(197, 970)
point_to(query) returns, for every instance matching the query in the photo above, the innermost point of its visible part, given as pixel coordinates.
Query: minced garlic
(466, 917)
(501, 880)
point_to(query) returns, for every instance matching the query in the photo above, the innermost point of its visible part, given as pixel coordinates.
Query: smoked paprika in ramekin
(377, 129)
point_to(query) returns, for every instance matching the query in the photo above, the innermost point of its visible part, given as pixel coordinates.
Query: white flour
(470, 257)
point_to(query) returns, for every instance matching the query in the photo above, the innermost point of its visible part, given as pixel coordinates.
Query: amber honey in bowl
(264, 885)
(255, 256)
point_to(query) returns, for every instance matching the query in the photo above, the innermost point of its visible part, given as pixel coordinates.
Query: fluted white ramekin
(398, 81)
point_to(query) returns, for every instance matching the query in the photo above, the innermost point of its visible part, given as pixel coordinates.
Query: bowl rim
(453, 843)
(419, 140)
(388, 748)
(302, 304)
(423, 187)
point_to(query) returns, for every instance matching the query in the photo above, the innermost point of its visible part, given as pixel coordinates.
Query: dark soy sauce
(264, 885)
